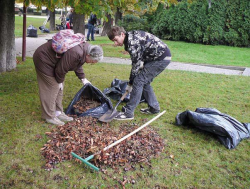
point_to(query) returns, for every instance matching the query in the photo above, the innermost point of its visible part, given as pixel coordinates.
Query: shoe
(92, 40)
(55, 121)
(149, 111)
(87, 40)
(123, 116)
(64, 117)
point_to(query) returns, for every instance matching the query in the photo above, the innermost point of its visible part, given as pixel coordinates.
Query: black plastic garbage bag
(91, 92)
(228, 130)
(43, 29)
(118, 88)
(31, 31)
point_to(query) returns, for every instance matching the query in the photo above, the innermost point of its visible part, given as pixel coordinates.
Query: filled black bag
(228, 130)
(31, 31)
(117, 89)
(43, 29)
(91, 92)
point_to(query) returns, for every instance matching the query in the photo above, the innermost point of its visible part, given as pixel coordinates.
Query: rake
(86, 160)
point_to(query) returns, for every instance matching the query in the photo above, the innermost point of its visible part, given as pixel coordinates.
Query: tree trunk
(118, 16)
(209, 4)
(52, 21)
(7, 36)
(78, 23)
(107, 25)
(24, 32)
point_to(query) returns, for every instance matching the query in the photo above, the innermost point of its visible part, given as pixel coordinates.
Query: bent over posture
(51, 72)
(150, 56)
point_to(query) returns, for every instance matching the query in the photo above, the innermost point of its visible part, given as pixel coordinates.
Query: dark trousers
(90, 31)
(142, 85)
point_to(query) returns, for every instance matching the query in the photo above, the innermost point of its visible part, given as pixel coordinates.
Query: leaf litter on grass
(85, 136)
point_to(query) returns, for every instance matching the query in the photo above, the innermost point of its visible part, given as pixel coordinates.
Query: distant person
(63, 21)
(150, 56)
(51, 73)
(69, 17)
(91, 26)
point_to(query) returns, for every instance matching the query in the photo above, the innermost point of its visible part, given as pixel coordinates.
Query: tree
(52, 20)
(118, 15)
(107, 25)
(134, 7)
(83, 8)
(78, 23)
(7, 36)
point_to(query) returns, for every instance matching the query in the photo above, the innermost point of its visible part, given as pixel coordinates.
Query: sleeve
(68, 62)
(135, 49)
(80, 73)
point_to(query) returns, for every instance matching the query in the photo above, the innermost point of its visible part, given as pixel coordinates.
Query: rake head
(86, 161)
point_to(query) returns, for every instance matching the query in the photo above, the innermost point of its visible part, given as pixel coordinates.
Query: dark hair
(115, 31)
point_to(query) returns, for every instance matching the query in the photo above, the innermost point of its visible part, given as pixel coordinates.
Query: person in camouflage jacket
(149, 56)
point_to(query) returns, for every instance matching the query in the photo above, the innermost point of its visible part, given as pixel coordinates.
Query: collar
(126, 41)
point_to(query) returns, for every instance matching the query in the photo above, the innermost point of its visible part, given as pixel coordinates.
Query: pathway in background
(33, 43)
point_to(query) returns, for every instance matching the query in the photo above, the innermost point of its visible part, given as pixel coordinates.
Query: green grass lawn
(191, 159)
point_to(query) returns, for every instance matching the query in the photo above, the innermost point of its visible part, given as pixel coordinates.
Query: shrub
(237, 32)
(131, 22)
(226, 22)
(216, 19)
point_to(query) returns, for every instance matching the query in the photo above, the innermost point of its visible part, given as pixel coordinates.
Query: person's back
(92, 19)
(67, 16)
(63, 20)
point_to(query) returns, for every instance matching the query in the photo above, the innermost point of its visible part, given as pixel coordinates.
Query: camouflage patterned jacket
(144, 47)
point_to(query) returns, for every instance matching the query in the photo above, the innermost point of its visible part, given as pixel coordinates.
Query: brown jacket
(46, 62)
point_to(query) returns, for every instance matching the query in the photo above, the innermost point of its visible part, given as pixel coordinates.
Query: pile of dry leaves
(85, 136)
(84, 104)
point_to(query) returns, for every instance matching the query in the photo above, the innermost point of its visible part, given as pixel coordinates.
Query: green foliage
(226, 22)
(131, 22)
(183, 22)
(237, 31)
(216, 19)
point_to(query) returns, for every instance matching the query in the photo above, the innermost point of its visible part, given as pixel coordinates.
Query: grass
(36, 22)
(191, 159)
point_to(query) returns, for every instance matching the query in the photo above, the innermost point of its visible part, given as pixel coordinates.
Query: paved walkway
(33, 43)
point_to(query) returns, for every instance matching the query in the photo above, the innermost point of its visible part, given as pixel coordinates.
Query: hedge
(227, 22)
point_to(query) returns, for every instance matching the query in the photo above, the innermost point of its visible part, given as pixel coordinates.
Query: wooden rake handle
(130, 134)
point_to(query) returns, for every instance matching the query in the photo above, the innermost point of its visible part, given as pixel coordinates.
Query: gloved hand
(141, 64)
(129, 88)
(60, 86)
(85, 81)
